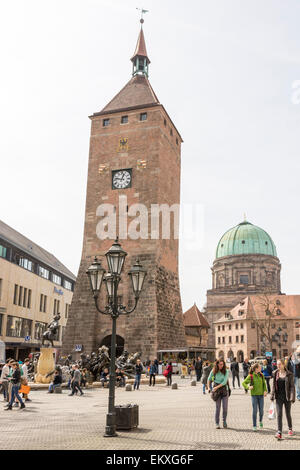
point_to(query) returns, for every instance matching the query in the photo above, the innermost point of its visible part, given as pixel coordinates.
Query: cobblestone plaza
(181, 419)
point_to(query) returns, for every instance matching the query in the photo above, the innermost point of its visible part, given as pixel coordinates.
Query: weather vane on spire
(142, 13)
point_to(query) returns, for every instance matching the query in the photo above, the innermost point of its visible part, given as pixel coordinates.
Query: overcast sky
(224, 70)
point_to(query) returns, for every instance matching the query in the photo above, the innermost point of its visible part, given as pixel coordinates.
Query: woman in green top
(219, 377)
(257, 384)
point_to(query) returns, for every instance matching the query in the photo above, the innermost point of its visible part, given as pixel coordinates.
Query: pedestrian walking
(152, 373)
(4, 379)
(24, 378)
(267, 371)
(206, 371)
(16, 383)
(75, 383)
(220, 391)
(289, 363)
(198, 368)
(71, 376)
(138, 374)
(235, 371)
(257, 384)
(246, 369)
(296, 371)
(283, 391)
(169, 373)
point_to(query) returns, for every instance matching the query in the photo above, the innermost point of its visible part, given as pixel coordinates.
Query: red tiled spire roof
(135, 94)
(140, 49)
(193, 317)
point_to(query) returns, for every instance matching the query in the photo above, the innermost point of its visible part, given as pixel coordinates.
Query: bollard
(193, 383)
(128, 388)
(58, 389)
(174, 386)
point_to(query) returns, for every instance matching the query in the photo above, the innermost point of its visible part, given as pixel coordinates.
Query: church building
(246, 264)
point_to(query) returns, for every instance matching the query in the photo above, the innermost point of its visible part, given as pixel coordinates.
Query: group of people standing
(257, 379)
(14, 375)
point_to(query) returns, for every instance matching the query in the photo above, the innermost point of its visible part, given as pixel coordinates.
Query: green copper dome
(244, 239)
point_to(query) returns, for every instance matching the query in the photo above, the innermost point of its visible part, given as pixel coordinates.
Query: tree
(269, 308)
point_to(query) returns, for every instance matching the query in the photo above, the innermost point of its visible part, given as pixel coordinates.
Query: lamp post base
(110, 428)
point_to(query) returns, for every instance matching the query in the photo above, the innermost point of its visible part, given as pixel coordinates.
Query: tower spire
(140, 60)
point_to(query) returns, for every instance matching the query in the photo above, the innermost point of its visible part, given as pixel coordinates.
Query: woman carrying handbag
(220, 392)
(283, 391)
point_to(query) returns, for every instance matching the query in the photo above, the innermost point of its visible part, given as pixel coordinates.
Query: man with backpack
(235, 370)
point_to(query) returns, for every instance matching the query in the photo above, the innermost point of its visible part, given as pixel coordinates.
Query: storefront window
(18, 327)
(39, 329)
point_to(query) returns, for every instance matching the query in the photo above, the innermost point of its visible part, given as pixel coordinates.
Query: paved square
(180, 419)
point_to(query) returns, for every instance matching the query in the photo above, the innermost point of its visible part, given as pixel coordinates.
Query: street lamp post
(115, 257)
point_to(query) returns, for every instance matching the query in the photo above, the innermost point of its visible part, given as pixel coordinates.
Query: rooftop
(18, 240)
(137, 93)
(245, 238)
(193, 317)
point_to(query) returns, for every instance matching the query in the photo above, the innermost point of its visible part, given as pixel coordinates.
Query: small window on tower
(105, 122)
(244, 279)
(171, 131)
(141, 64)
(143, 116)
(124, 119)
(165, 122)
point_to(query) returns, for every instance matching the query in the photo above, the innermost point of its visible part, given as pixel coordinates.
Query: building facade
(134, 162)
(246, 264)
(238, 333)
(34, 286)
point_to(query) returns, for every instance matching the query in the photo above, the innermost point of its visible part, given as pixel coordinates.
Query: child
(257, 384)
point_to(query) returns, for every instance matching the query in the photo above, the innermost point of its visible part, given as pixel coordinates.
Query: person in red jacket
(170, 371)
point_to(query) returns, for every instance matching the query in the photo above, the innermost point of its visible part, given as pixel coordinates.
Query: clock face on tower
(121, 179)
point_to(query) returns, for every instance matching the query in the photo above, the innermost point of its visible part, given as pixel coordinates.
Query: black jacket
(57, 379)
(16, 377)
(246, 368)
(289, 386)
(138, 369)
(234, 367)
(198, 365)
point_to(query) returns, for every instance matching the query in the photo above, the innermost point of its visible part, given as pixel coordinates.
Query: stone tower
(246, 264)
(134, 163)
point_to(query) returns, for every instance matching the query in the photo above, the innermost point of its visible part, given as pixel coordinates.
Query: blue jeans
(297, 385)
(52, 387)
(257, 402)
(15, 394)
(137, 381)
(204, 387)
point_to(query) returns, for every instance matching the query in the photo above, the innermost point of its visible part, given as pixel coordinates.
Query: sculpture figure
(52, 329)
